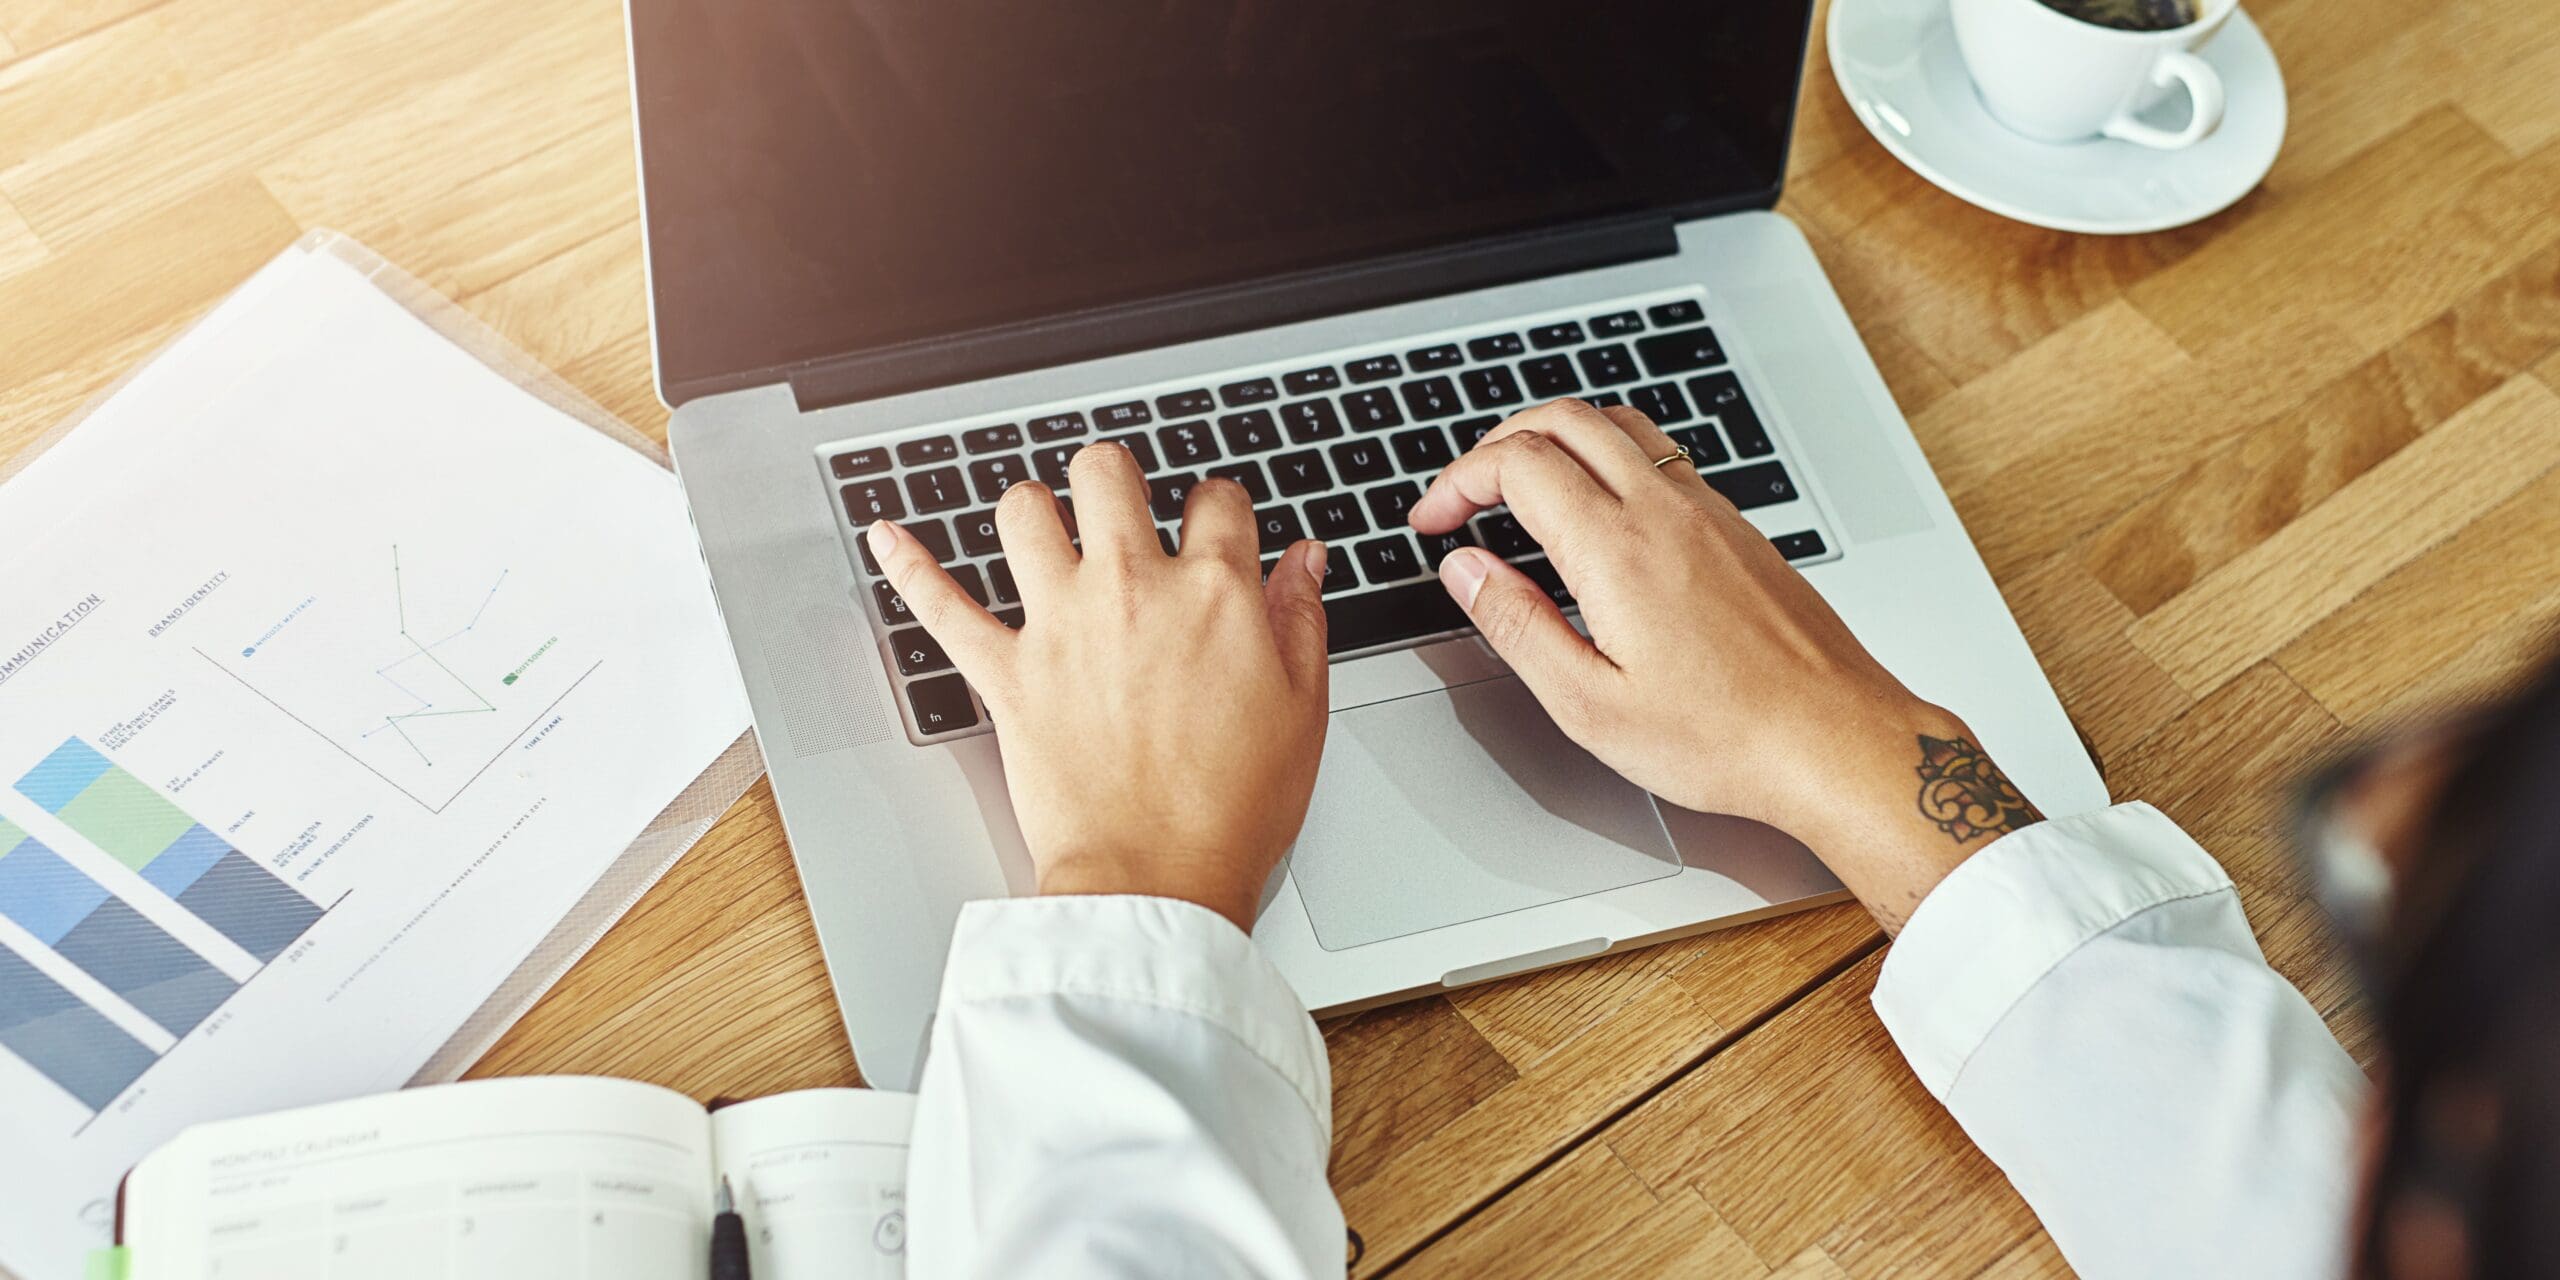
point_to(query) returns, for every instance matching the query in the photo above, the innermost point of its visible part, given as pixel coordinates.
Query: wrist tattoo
(1966, 794)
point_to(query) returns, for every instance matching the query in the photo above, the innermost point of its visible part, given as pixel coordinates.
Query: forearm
(1904, 802)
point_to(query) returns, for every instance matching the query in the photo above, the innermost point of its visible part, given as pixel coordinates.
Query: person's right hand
(1714, 675)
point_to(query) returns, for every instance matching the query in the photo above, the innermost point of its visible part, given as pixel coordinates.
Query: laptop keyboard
(1335, 447)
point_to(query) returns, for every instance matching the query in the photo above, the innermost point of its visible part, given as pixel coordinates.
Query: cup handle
(2204, 91)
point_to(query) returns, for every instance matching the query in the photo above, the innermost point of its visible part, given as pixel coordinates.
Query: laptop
(904, 254)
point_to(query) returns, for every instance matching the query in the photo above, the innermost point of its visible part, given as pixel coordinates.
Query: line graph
(428, 708)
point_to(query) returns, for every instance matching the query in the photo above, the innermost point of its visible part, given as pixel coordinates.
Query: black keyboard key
(937, 490)
(917, 453)
(870, 562)
(1372, 410)
(1617, 324)
(1375, 618)
(1236, 395)
(860, 462)
(1361, 461)
(1685, 311)
(1310, 420)
(1603, 399)
(1307, 382)
(1051, 463)
(1421, 451)
(1543, 573)
(1388, 503)
(1000, 577)
(1299, 474)
(978, 535)
(1010, 617)
(1760, 485)
(1799, 546)
(1444, 356)
(1165, 536)
(1335, 516)
(992, 476)
(1668, 353)
(1375, 369)
(1549, 376)
(936, 537)
(1248, 474)
(1185, 404)
(1393, 558)
(1277, 527)
(1721, 395)
(1661, 402)
(1140, 448)
(966, 575)
(1548, 337)
(1606, 366)
(893, 607)
(1187, 444)
(1496, 346)
(991, 439)
(1704, 449)
(917, 652)
(1491, 388)
(1167, 493)
(1431, 398)
(1504, 537)
(1057, 426)
(1122, 416)
(1337, 573)
(1437, 546)
(941, 705)
(1254, 431)
(1471, 431)
(873, 500)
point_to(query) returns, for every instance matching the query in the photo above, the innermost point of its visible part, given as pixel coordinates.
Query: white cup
(2055, 78)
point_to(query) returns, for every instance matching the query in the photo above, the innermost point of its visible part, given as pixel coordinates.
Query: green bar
(132, 822)
(11, 835)
(110, 1264)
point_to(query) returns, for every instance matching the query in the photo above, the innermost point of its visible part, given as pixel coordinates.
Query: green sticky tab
(109, 1264)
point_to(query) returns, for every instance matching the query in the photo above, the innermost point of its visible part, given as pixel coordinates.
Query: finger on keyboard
(958, 625)
(1111, 502)
(1551, 492)
(1590, 435)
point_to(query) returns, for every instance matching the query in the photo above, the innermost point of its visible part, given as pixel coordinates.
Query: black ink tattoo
(1966, 794)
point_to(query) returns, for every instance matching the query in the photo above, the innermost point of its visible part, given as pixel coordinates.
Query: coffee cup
(2057, 78)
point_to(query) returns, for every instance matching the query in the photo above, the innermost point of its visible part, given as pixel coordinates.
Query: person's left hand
(1160, 716)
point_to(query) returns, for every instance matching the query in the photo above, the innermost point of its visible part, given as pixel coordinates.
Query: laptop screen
(832, 176)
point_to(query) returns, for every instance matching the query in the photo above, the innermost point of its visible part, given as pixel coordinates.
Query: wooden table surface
(2252, 487)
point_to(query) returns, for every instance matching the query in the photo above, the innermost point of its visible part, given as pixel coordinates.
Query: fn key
(941, 705)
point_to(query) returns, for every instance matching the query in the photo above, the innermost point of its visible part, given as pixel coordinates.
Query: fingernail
(1463, 573)
(1312, 560)
(883, 537)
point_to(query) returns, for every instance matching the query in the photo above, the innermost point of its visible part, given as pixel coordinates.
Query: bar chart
(104, 936)
(141, 828)
(74, 1045)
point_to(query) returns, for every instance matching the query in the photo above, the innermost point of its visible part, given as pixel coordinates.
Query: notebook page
(536, 1179)
(821, 1178)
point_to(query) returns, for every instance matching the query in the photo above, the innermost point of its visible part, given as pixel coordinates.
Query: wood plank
(2386, 517)
(1400, 1073)
(57, 95)
(31, 25)
(223, 37)
(2229, 766)
(2237, 496)
(1589, 1215)
(2428, 613)
(2519, 103)
(19, 247)
(2114, 693)
(2357, 69)
(619, 376)
(573, 303)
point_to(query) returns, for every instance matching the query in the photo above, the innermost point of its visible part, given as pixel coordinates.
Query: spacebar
(1384, 617)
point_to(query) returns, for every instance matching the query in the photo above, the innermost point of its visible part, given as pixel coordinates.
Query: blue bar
(250, 906)
(43, 893)
(176, 870)
(72, 1044)
(138, 960)
(63, 775)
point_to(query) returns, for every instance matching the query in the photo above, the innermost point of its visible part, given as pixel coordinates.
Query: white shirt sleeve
(2087, 1000)
(1119, 1086)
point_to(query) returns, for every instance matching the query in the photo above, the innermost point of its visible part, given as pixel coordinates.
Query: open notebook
(545, 1178)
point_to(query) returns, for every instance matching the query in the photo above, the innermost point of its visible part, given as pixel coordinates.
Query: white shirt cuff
(2001, 921)
(1160, 952)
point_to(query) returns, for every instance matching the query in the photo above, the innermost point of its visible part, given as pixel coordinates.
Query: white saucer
(1897, 63)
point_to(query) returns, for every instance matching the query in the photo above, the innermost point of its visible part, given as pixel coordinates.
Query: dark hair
(2470, 1011)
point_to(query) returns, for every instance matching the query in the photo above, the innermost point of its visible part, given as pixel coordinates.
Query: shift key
(1760, 485)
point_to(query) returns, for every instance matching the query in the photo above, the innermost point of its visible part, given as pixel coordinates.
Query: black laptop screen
(833, 176)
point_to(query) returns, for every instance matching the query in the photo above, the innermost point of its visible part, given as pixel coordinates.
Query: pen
(728, 1238)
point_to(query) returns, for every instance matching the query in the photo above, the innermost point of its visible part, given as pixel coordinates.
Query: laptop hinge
(1163, 321)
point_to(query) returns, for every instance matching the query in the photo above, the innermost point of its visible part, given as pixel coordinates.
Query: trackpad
(1453, 806)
